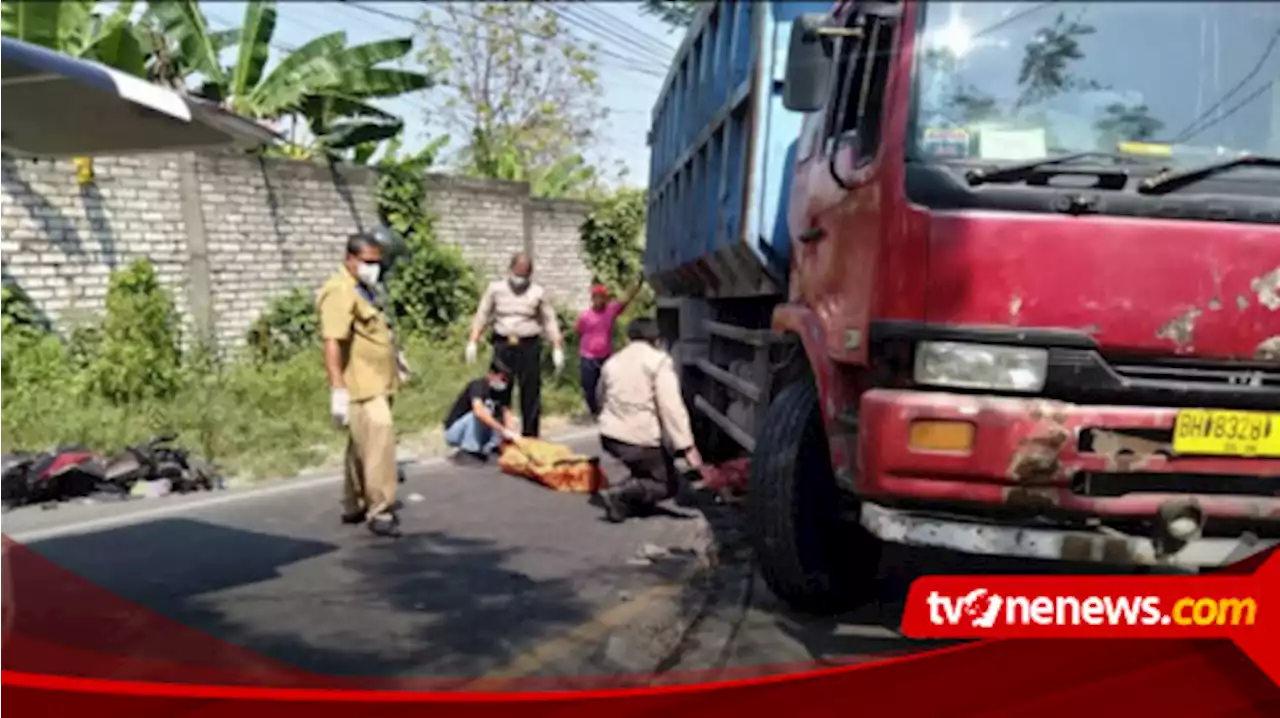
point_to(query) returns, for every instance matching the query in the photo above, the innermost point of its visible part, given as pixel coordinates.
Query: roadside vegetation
(261, 410)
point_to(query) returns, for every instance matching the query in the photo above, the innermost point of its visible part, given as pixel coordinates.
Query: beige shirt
(524, 314)
(369, 366)
(640, 399)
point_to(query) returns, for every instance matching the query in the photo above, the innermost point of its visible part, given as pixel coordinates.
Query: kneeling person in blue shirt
(481, 418)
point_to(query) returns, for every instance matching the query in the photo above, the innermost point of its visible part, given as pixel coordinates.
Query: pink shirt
(595, 331)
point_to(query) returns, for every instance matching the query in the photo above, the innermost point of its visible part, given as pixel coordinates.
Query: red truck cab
(1035, 278)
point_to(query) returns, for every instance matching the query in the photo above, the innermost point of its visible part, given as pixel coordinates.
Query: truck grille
(1084, 375)
(1202, 374)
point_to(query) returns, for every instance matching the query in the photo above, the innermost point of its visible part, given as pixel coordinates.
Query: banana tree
(76, 28)
(325, 81)
(342, 117)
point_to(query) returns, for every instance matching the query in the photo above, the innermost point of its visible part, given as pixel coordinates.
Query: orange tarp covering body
(553, 465)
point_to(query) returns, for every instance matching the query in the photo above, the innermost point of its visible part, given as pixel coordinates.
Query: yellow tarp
(555, 466)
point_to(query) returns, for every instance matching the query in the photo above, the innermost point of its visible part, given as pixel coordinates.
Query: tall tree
(522, 89)
(676, 13)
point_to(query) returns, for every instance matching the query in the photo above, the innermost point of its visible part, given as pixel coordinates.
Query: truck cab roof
(56, 105)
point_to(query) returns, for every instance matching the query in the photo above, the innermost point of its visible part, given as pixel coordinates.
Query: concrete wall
(229, 233)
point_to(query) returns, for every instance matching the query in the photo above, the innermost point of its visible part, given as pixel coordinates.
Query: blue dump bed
(722, 149)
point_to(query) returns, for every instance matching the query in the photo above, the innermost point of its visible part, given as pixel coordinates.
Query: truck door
(835, 254)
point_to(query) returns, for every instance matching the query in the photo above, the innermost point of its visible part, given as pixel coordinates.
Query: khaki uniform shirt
(640, 399)
(523, 315)
(368, 348)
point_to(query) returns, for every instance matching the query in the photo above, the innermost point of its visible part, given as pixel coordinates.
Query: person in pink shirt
(595, 338)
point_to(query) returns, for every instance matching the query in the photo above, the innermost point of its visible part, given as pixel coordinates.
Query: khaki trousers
(371, 477)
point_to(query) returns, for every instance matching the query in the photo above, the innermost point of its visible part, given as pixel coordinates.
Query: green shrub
(613, 239)
(138, 357)
(289, 325)
(432, 286)
(19, 314)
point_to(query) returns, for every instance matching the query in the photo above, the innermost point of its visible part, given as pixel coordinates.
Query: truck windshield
(1013, 81)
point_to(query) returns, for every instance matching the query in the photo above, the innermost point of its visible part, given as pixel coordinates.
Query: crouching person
(481, 418)
(643, 422)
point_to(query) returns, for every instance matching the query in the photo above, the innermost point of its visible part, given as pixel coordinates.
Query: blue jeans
(468, 434)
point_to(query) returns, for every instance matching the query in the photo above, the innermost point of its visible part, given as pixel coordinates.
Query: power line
(607, 34)
(1275, 37)
(419, 22)
(661, 48)
(1234, 109)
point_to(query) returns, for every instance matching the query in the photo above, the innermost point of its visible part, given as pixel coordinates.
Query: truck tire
(809, 557)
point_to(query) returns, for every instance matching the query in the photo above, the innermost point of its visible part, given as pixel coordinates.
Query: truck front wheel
(808, 556)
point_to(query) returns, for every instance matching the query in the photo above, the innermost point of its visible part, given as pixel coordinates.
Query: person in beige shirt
(364, 371)
(520, 314)
(643, 422)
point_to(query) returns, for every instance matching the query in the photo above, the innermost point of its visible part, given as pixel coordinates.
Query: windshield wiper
(1023, 170)
(1169, 181)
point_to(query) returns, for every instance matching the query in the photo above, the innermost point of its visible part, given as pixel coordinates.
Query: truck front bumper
(915, 528)
(1065, 465)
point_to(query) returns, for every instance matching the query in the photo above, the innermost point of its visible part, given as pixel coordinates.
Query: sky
(631, 74)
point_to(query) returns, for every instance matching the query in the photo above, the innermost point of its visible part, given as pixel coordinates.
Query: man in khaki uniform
(520, 314)
(643, 422)
(364, 372)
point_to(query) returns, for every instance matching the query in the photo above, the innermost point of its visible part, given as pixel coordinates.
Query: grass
(250, 420)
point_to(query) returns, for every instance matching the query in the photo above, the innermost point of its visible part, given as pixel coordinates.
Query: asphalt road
(491, 569)
(494, 577)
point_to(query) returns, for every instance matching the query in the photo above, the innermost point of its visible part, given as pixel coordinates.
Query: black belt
(514, 340)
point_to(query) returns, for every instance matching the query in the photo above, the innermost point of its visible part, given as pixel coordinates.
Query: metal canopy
(55, 105)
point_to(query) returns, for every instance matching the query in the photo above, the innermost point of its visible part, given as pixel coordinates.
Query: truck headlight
(981, 366)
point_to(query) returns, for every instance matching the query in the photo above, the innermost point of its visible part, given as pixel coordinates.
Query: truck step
(751, 337)
(737, 383)
(734, 431)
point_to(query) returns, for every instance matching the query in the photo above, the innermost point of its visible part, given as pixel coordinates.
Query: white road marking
(133, 517)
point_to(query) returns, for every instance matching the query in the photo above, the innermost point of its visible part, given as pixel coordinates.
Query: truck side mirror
(804, 88)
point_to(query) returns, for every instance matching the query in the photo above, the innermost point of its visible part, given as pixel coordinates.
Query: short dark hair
(497, 366)
(358, 241)
(643, 329)
(515, 259)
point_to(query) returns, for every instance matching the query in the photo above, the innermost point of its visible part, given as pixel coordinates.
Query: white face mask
(498, 386)
(368, 273)
(518, 282)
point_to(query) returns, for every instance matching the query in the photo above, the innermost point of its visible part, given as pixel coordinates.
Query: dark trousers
(589, 373)
(524, 359)
(653, 472)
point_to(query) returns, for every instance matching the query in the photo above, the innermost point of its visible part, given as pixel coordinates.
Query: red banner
(72, 648)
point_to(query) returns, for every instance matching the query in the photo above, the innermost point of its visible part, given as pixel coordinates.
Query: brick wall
(272, 225)
(229, 233)
(557, 250)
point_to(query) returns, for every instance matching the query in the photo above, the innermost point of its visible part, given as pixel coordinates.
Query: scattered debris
(416, 498)
(151, 489)
(639, 561)
(653, 552)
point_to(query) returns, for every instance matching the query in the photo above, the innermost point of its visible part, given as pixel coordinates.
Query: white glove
(339, 406)
(510, 434)
(471, 352)
(557, 358)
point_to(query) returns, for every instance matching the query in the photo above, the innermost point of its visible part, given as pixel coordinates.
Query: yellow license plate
(1227, 433)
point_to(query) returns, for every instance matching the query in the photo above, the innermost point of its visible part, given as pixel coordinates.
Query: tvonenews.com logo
(980, 608)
